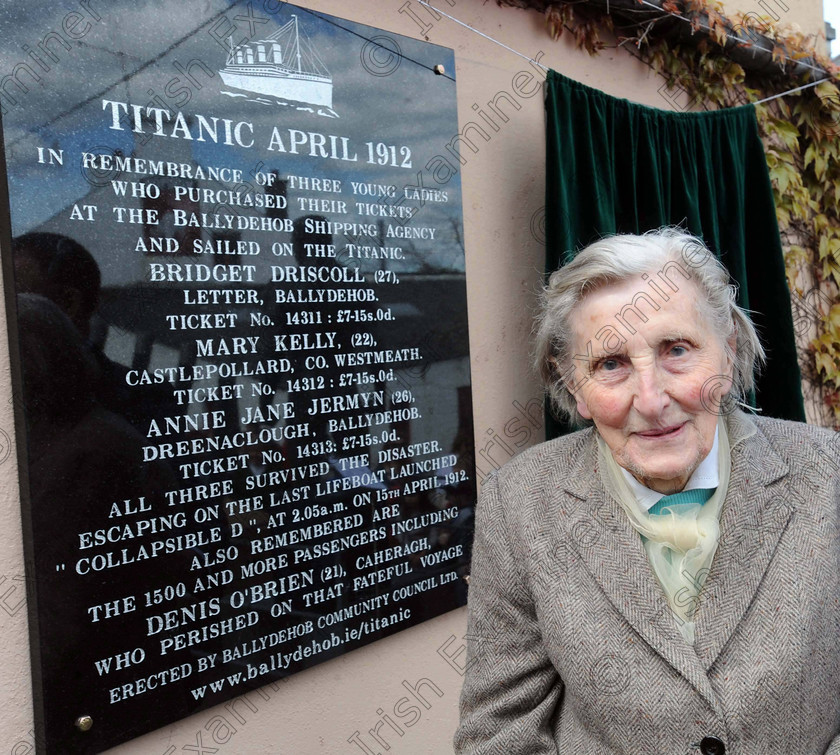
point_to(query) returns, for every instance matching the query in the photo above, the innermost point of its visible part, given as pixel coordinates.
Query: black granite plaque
(235, 282)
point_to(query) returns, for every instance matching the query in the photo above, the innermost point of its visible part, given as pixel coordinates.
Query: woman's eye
(609, 364)
(678, 350)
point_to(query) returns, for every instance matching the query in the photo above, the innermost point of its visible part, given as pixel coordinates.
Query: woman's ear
(582, 408)
(568, 379)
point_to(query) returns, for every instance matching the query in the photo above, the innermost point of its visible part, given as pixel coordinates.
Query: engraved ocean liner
(285, 65)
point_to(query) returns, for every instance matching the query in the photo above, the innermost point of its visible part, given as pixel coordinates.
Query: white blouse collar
(707, 475)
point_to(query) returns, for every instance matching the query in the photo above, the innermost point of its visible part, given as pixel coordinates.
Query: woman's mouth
(662, 433)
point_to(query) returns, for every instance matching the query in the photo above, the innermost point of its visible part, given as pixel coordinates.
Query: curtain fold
(614, 166)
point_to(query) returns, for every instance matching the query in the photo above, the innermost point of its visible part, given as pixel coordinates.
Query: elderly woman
(667, 580)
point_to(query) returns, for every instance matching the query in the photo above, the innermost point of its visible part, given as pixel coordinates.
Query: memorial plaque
(234, 269)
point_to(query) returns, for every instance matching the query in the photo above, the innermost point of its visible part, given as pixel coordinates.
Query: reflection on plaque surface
(237, 308)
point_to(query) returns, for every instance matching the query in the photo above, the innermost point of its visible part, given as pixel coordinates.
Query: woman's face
(650, 379)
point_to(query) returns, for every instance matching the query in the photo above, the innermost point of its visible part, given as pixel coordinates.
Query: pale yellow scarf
(681, 544)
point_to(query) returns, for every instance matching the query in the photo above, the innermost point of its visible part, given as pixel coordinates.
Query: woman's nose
(650, 398)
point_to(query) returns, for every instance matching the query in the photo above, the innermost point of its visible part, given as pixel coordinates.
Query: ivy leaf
(718, 33)
(788, 133)
(828, 94)
(810, 154)
(819, 165)
(556, 19)
(821, 223)
(825, 363)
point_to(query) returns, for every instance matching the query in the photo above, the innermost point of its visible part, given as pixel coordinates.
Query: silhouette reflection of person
(63, 271)
(82, 458)
(80, 453)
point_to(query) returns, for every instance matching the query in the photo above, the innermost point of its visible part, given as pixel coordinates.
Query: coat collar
(753, 519)
(755, 514)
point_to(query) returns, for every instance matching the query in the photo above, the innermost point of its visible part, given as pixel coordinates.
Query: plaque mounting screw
(84, 723)
(439, 70)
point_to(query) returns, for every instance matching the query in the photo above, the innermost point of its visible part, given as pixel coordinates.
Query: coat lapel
(753, 519)
(612, 551)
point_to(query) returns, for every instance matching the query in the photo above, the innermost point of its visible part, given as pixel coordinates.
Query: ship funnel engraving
(285, 65)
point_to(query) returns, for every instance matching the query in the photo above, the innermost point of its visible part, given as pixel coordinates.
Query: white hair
(656, 255)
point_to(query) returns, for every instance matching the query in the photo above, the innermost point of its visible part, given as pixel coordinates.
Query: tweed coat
(572, 647)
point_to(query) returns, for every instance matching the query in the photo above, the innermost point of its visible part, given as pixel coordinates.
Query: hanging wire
(737, 40)
(179, 41)
(482, 34)
(150, 62)
(374, 42)
(643, 2)
(791, 91)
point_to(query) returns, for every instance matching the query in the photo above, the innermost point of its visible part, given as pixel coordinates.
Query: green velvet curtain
(617, 167)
